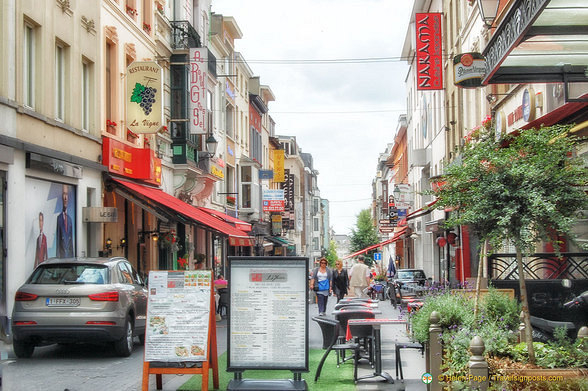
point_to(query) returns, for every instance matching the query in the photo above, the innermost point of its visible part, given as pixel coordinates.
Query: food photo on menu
(158, 325)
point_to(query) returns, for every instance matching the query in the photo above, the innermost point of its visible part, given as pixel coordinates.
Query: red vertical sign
(429, 51)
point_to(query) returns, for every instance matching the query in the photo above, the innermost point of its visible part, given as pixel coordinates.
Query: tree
(364, 235)
(526, 189)
(332, 254)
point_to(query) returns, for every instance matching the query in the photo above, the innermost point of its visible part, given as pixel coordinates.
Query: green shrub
(552, 355)
(500, 308)
(455, 311)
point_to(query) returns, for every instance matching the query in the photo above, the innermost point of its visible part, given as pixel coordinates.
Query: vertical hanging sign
(429, 51)
(278, 165)
(197, 84)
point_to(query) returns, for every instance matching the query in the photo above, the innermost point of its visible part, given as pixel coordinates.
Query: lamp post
(259, 236)
(488, 10)
(211, 144)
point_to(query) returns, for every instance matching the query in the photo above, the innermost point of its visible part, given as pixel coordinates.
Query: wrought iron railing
(184, 36)
(539, 266)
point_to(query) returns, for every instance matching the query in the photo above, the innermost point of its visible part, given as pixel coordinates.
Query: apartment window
(110, 88)
(209, 111)
(315, 244)
(59, 82)
(315, 224)
(229, 121)
(147, 12)
(29, 66)
(246, 186)
(86, 96)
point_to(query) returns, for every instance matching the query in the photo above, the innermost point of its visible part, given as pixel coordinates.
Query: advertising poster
(50, 221)
(268, 325)
(178, 314)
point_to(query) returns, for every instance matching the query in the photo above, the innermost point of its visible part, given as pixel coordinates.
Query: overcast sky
(342, 112)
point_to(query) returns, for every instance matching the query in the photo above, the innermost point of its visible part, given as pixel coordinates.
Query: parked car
(80, 300)
(410, 276)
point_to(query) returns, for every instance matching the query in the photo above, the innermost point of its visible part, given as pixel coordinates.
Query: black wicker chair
(330, 330)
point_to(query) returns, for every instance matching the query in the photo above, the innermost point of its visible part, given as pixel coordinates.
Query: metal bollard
(522, 328)
(435, 351)
(478, 365)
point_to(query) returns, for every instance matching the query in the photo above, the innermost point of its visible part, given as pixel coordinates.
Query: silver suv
(80, 300)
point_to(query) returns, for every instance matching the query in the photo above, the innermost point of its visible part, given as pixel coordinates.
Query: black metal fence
(573, 266)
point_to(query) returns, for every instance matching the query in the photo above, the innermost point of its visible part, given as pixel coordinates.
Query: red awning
(385, 242)
(235, 235)
(425, 210)
(561, 113)
(240, 224)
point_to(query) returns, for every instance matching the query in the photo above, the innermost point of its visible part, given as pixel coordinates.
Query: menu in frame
(178, 314)
(268, 326)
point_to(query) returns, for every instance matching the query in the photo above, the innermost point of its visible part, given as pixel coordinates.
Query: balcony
(184, 36)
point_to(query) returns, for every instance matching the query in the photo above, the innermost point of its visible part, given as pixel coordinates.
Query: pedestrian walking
(322, 285)
(340, 280)
(359, 277)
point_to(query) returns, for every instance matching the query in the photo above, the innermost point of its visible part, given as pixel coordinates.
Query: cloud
(343, 114)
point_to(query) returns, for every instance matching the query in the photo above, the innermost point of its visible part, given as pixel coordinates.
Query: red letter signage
(429, 51)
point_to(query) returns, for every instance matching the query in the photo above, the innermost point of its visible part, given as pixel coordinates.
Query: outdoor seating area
(360, 324)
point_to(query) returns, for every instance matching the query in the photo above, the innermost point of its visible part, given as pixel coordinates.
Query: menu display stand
(181, 327)
(268, 321)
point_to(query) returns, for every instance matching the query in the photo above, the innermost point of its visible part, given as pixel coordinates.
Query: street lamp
(488, 10)
(259, 235)
(211, 145)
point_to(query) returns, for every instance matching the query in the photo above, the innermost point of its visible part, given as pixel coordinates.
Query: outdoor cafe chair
(405, 345)
(358, 305)
(367, 340)
(330, 330)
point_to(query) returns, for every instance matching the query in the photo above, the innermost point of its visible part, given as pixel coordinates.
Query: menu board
(178, 314)
(268, 326)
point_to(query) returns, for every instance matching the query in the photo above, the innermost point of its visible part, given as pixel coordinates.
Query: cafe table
(376, 324)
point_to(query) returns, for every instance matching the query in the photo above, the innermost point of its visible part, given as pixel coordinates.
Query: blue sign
(266, 174)
(377, 256)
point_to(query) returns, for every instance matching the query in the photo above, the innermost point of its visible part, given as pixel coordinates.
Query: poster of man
(50, 220)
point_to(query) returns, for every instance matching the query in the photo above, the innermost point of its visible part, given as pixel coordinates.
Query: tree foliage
(525, 189)
(332, 254)
(364, 234)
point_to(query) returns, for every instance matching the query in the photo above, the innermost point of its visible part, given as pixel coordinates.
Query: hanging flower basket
(169, 240)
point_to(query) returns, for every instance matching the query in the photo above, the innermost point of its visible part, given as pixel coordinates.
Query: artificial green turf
(332, 378)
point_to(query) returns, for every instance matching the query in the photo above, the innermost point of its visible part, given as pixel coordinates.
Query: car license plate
(63, 301)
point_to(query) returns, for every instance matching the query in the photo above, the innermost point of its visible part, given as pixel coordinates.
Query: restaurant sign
(137, 163)
(429, 51)
(197, 84)
(144, 96)
(468, 70)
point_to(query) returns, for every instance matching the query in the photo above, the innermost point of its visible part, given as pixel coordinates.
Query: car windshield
(411, 275)
(70, 274)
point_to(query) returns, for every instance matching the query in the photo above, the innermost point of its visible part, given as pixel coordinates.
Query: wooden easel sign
(181, 326)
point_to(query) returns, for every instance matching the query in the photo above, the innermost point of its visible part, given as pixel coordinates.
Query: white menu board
(268, 325)
(178, 315)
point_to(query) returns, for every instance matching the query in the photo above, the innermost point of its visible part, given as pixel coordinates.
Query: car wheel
(23, 349)
(124, 346)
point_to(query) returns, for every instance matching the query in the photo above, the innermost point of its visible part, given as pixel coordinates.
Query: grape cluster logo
(144, 86)
(144, 96)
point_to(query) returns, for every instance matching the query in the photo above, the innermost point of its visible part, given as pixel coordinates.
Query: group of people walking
(326, 281)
